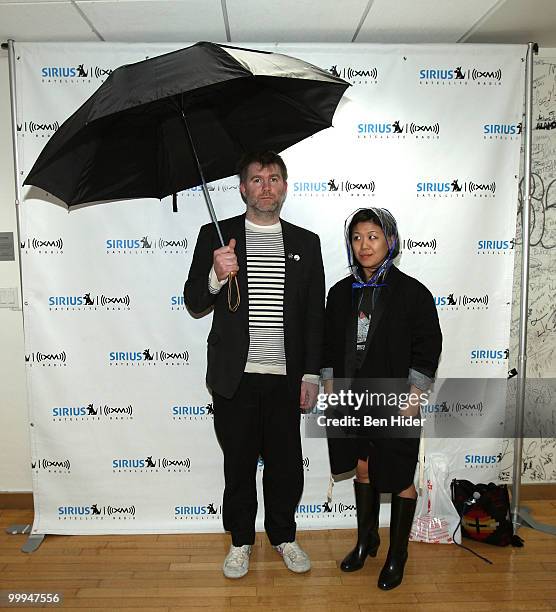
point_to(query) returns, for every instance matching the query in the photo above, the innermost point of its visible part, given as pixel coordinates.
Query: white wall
(15, 472)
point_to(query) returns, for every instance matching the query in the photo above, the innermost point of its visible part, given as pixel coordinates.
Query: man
(263, 359)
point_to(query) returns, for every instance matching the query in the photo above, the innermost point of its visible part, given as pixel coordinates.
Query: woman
(380, 324)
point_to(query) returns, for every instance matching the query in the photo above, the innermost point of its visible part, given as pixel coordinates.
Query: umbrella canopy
(129, 139)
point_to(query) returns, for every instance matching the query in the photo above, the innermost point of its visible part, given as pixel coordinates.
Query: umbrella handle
(233, 307)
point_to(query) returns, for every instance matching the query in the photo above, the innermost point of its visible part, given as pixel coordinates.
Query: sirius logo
(431, 188)
(192, 413)
(73, 74)
(177, 302)
(397, 130)
(208, 511)
(63, 73)
(124, 245)
(501, 131)
(478, 461)
(359, 75)
(427, 75)
(311, 509)
(495, 247)
(441, 408)
(69, 413)
(73, 512)
(489, 355)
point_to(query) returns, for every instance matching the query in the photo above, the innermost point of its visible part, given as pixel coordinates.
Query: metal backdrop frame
(521, 515)
(34, 540)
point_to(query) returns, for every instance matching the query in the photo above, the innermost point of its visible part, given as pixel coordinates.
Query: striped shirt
(266, 271)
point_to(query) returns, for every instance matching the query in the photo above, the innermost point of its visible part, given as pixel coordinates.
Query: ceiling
(339, 21)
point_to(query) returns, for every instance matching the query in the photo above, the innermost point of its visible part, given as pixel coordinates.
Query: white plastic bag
(435, 516)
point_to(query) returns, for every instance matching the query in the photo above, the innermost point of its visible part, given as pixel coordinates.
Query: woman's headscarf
(387, 222)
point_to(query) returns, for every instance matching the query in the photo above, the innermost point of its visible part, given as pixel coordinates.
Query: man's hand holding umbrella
(225, 261)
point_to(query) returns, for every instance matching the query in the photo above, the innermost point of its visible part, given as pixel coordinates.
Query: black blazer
(228, 340)
(404, 334)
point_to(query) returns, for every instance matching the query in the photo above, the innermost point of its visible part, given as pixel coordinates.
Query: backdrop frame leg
(525, 519)
(33, 541)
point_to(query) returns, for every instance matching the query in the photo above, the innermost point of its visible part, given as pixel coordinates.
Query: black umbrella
(133, 138)
(178, 120)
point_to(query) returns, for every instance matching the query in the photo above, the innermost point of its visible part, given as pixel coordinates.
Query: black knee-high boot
(401, 519)
(367, 502)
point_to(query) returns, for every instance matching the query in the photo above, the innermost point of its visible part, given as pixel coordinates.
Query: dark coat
(228, 340)
(404, 334)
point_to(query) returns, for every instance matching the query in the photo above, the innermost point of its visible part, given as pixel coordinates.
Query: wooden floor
(183, 572)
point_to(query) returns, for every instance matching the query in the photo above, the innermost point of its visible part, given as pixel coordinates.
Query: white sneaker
(295, 558)
(236, 563)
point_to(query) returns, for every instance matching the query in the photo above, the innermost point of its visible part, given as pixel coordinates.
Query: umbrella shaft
(203, 182)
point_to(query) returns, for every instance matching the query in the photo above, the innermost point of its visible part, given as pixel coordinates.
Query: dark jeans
(260, 420)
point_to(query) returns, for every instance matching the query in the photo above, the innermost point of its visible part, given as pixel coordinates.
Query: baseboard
(542, 490)
(16, 501)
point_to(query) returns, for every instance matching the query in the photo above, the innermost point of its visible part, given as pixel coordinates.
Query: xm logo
(46, 359)
(43, 246)
(192, 413)
(495, 247)
(52, 466)
(420, 247)
(39, 130)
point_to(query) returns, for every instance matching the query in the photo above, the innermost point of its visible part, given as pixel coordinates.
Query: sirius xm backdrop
(122, 436)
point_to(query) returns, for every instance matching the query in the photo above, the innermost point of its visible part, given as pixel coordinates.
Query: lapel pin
(295, 257)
